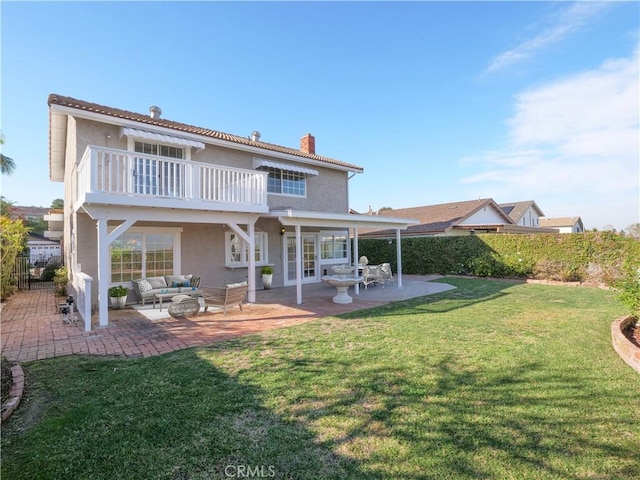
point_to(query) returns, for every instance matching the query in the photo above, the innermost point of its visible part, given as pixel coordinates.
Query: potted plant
(118, 296)
(267, 276)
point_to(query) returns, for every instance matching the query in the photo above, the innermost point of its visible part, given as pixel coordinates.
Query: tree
(7, 165)
(5, 206)
(38, 226)
(633, 230)
(57, 203)
(13, 239)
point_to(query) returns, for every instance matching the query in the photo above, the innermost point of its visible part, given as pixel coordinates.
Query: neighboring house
(145, 196)
(526, 214)
(55, 221)
(30, 214)
(42, 250)
(563, 224)
(457, 218)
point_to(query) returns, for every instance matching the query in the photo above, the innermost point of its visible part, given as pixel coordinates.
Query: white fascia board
(57, 146)
(122, 122)
(345, 220)
(122, 212)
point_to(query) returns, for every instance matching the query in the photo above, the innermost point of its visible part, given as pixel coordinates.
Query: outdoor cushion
(144, 285)
(180, 298)
(157, 282)
(239, 284)
(195, 282)
(177, 278)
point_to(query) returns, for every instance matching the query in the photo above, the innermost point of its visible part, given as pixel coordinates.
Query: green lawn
(492, 380)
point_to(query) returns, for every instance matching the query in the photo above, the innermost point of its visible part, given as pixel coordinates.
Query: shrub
(118, 291)
(49, 271)
(590, 256)
(556, 270)
(60, 279)
(13, 235)
(629, 291)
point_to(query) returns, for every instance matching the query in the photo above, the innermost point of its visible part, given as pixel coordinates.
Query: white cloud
(573, 142)
(561, 25)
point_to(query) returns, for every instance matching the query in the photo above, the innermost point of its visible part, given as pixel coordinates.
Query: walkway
(32, 329)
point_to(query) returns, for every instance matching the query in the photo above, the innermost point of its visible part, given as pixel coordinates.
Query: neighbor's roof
(516, 210)
(69, 102)
(560, 221)
(439, 218)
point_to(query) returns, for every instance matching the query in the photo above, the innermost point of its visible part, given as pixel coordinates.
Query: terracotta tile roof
(437, 218)
(69, 102)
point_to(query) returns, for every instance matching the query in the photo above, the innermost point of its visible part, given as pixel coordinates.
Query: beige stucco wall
(326, 192)
(202, 251)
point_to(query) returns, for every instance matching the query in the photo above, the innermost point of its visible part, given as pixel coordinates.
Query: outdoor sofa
(146, 288)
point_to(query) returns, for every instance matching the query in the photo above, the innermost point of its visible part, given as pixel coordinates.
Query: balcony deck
(117, 177)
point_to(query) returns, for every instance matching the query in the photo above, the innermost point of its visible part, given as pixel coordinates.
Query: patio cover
(299, 219)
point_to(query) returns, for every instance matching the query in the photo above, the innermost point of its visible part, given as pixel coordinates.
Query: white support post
(356, 287)
(399, 256)
(104, 263)
(298, 266)
(252, 263)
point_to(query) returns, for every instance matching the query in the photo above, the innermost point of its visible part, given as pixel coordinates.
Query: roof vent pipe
(255, 136)
(155, 112)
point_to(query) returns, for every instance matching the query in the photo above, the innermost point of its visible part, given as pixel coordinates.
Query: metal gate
(27, 277)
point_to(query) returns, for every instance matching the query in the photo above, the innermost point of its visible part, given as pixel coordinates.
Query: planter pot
(118, 303)
(266, 280)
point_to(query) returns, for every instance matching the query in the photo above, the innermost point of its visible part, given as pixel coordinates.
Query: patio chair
(230, 296)
(387, 275)
(371, 274)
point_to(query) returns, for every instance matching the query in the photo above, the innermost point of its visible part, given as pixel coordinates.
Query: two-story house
(148, 196)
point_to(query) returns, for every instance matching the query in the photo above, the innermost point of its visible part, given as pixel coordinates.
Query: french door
(310, 271)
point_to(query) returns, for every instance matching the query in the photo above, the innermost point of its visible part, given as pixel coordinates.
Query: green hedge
(588, 257)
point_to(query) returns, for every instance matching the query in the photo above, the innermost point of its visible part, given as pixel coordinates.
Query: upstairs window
(158, 149)
(285, 182)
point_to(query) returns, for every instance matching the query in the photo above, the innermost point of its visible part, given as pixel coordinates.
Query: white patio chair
(371, 274)
(386, 274)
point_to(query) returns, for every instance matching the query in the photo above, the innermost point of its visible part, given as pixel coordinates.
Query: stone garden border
(628, 351)
(15, 394)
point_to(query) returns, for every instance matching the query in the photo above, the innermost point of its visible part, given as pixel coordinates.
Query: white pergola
(241, 223)
(299, 219)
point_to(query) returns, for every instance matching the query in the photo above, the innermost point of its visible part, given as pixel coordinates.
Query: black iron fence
(29, 277)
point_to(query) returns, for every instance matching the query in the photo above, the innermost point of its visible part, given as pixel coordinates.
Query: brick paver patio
(32, 328)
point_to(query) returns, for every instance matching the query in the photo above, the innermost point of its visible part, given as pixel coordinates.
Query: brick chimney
(308, 144)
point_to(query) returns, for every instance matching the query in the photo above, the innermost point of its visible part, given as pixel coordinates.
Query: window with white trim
(285, 182)
(143, 254)
(237, 250)
(159, 149)
(334, 246)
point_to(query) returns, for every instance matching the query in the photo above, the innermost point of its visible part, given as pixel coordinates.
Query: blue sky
(438, 101)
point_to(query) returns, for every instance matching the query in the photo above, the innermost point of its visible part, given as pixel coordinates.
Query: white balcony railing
(106, 171)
